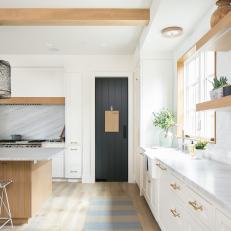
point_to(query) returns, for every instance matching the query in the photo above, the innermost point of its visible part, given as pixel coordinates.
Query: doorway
(111, 136)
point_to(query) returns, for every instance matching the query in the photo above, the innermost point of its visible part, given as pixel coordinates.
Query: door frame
(113, 74)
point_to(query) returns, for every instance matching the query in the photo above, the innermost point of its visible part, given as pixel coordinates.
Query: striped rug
(112, 214)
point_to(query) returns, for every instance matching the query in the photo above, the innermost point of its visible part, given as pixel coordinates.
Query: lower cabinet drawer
(172, 216)
(176, 187)
(200, 208)
(73, 162)
(73, 173)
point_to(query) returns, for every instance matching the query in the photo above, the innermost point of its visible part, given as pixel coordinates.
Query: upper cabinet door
(73, 131)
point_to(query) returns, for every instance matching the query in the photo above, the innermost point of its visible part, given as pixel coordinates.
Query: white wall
(43, 85)
(156, 94)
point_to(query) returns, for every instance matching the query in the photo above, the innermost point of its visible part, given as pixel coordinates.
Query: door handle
(125, 132)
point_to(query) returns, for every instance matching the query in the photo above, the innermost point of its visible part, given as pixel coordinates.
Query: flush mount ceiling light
(51, 47)
(5, 83)
(172, 31)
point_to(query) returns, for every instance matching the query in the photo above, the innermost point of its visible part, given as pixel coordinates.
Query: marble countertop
(28, 154)
(208, 176)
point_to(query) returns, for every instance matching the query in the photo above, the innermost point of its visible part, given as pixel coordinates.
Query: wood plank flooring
(66, 209)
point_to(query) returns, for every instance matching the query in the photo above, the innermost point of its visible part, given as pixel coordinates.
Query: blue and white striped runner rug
(112, 214)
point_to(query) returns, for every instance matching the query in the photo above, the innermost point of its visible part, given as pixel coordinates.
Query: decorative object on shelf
(227, 90)
(224, 7)
(218, 85)
(172, 31)
(5, 83)
(200, 148)
(164, 120)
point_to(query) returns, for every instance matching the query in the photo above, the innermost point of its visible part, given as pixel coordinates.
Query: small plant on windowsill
(200, 147)
(218, 85)
(165, 120)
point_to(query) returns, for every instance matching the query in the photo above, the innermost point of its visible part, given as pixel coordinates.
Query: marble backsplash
(221, 151)
(32, 121)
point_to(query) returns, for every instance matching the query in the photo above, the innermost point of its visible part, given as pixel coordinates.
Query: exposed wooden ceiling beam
(73, 16)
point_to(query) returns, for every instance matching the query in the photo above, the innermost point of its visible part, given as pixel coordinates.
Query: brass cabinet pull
(175, 213)
(175, 186)
(161, 167)
(196, 206)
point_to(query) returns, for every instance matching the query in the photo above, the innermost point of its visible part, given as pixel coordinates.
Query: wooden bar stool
(4, 205)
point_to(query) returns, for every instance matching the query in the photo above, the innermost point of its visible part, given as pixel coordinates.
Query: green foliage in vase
(201, 145)
(218, 83)
(164, 119)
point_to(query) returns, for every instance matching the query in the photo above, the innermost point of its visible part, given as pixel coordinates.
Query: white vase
(199, 153)
(216, 94)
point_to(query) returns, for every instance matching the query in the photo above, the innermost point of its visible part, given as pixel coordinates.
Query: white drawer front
(177, 187)
(199, 207)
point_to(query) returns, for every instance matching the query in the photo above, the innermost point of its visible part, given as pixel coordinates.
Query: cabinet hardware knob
(196, 206)
(175, 213)
(175, 186)
(149, 181)
(161, 167)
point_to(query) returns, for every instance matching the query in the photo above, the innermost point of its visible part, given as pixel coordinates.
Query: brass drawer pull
(175, 186)
(196, 206)
(175, 213)
(161, 167)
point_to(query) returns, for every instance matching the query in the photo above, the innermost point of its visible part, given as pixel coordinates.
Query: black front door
(111, 148)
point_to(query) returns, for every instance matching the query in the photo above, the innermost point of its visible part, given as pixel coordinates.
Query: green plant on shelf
(201, 145)
(218, 83)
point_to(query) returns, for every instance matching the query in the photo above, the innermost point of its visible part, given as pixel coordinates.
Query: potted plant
(200, 147)
(227, 90)
(218, 85)
(164, 120)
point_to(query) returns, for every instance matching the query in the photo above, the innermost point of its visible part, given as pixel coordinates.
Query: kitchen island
(30, 169)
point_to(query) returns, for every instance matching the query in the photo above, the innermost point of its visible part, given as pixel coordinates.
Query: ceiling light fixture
(172, 31)
(51, 47)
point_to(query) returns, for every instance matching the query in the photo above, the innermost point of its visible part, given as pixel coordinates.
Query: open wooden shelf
(217, 38)
(222, 103)
(33, 100)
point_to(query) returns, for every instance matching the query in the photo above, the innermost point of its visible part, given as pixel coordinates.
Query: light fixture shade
(5, 81)
(172, 31)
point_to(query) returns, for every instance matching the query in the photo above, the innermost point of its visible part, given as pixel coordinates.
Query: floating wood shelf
(33, 100)
(218, 38)
(222, 103)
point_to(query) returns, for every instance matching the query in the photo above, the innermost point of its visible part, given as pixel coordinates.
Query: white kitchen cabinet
(73, 108)
(73, 162)
(58, 165)
(223, 223)
(73, 128)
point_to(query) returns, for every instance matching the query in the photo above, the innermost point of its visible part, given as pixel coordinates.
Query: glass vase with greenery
(164, 120)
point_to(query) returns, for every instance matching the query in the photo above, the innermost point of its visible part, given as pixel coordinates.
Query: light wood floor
(66, 209)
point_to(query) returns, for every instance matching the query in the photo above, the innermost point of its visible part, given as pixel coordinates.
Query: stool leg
(1, 201)
(8, 208)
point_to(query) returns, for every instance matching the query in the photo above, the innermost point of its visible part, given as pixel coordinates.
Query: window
(198, 72)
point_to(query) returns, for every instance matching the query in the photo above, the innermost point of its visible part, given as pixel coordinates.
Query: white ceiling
(184, 13)
(100, 40)
(76, 3)
(69, 40)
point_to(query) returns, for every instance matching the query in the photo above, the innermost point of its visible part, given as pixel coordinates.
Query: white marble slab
(210, 177)
(28, 154)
